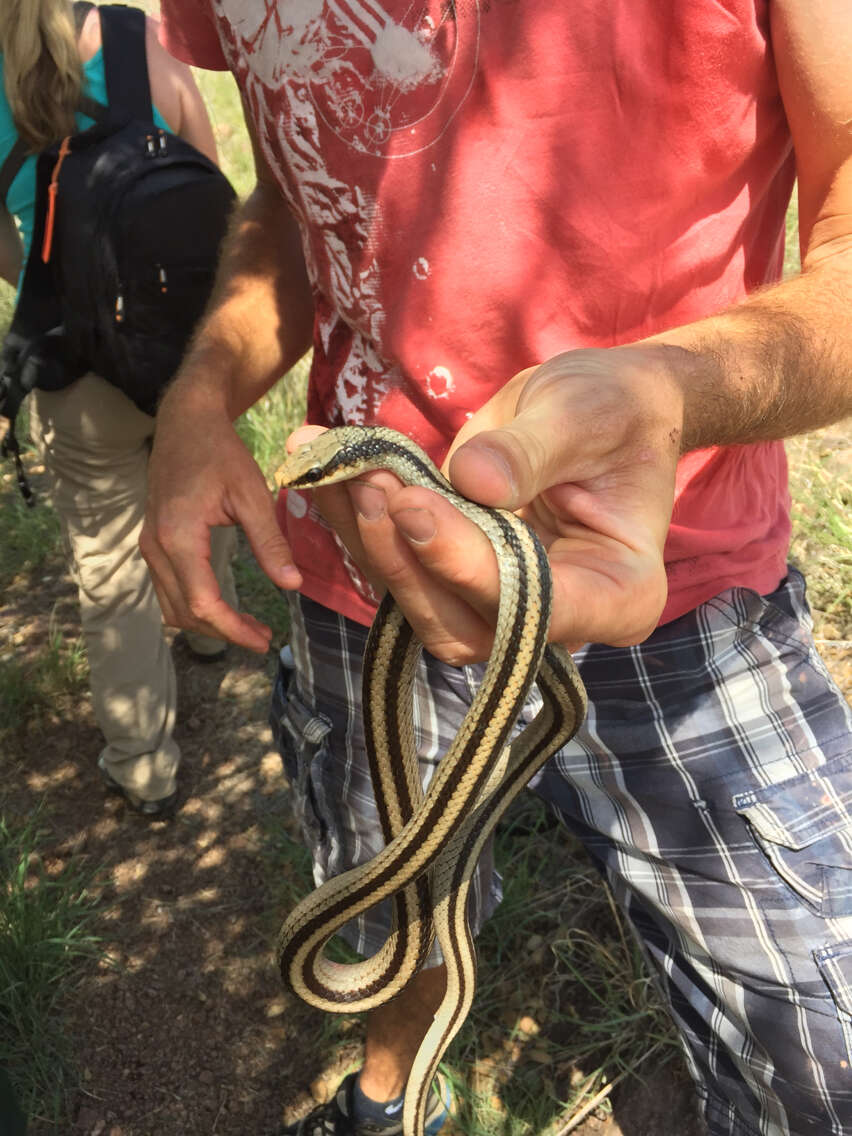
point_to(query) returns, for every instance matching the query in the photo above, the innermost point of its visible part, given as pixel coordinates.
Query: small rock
(206, 1077)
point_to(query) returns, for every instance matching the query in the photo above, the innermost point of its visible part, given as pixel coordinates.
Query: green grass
(7, 303)
(45, 934)
(265, 426)
(40, 684)
(28, 536)
(821, 486)
(223, 105)
(792, 258)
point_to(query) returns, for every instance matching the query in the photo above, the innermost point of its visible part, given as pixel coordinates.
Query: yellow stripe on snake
(432, 841)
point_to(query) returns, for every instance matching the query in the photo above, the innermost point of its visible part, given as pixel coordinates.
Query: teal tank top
(20, 201)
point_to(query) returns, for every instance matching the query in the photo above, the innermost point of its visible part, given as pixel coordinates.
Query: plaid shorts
(712, 785)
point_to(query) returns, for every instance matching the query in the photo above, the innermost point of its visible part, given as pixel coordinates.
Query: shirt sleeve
(188, 32)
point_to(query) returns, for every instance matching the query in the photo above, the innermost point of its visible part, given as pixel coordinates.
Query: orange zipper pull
(52, 191)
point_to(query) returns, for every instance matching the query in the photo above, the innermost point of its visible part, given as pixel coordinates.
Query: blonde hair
(42, 72)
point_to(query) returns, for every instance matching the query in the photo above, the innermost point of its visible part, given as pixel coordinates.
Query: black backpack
(129, 223)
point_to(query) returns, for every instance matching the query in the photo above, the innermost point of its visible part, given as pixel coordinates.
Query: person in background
(544, 240)
(94, 441)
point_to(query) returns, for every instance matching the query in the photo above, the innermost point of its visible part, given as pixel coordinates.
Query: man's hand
(584, 447)
(201, 475)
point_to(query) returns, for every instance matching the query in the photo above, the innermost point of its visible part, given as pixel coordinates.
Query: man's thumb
(510, 466)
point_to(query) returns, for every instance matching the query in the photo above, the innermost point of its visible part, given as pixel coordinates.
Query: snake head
(322, 461)
(301, 468)
(348, 451)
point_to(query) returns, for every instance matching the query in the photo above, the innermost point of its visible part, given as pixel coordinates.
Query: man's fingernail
(369, 501)
(500, 462)
(417, 525)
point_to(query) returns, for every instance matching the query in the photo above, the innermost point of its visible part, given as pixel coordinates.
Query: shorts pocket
(782, 616)
(301, 737)
(835, 966)
(804, 827)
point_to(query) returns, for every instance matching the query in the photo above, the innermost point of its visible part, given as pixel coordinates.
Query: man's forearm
(776, 365)
(781, 362)
(258, 322)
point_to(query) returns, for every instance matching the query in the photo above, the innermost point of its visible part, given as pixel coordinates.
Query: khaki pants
(95, 444)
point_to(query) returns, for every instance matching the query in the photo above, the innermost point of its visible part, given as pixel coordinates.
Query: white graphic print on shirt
(387, 86)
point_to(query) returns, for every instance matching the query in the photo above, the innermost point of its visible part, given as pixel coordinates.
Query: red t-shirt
(482, 185)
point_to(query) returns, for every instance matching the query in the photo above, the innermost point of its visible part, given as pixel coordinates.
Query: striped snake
(432, 840)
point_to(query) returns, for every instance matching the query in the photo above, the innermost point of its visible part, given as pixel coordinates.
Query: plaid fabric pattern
(712, 785)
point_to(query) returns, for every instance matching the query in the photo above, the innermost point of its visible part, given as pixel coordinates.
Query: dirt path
(187, 1031)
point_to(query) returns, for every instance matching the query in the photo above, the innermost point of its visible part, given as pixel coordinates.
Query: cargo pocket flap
(807, 808)
(835, 965)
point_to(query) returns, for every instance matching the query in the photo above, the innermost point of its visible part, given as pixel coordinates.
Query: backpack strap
(125, 62)
(88, 106)
(9, 170)
(92, 109)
